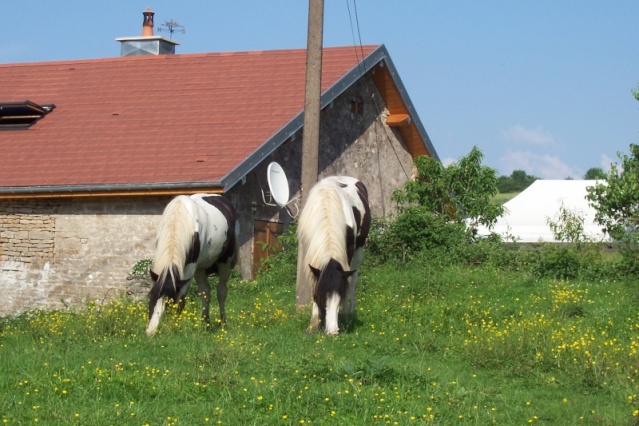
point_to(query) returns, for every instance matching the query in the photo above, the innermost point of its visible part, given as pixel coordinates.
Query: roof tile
(152, 119)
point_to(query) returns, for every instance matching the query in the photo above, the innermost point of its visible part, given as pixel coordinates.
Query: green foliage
(617, 199)
(141, 268)
(415, 230)
(436, 208)
(418, 235)
(554, 261)
(595, 173)
(461, 191)
(516, 182)
(629, 250)
(380, 247)
(281, 267)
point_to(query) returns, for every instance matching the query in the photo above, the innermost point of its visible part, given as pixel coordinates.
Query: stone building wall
(60, 252)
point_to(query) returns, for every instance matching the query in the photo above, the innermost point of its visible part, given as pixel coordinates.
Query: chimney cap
(147, 23)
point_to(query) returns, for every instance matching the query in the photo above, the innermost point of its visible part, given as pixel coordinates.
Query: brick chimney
(147, 43)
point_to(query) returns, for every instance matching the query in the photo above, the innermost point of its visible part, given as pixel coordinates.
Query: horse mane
(322, 227)
(174, 239)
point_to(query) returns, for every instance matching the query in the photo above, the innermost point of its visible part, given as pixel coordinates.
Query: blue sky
(541, 86)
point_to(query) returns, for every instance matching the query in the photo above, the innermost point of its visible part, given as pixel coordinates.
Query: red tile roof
(165, 119)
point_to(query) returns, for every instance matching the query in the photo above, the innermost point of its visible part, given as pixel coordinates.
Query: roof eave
(408, 103)
(128, 190)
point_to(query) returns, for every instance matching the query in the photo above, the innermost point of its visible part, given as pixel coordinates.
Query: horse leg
(315, 319)
(155, 318)
(348, 305)
(332, 311)
(204, 289)
(224, 272)
(181, 299)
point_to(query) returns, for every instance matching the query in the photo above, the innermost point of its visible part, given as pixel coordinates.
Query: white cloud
(448, 161)
(518, 134)
(541, 165)
(537, 158)
(606, 162)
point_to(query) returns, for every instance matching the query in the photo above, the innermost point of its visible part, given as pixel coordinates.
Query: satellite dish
(277, 183)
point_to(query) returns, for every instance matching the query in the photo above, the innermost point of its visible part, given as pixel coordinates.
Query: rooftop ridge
(176, 56)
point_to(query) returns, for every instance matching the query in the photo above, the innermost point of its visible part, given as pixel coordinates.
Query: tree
(595, 173)
(463, 190)
(516, 182)
(617, 199)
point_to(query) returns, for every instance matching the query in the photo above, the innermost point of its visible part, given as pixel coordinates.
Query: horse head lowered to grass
(332, 229)
(197, 236)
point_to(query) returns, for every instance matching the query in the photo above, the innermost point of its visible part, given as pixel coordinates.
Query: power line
(356, 43)
(359, 34)
(360, 62)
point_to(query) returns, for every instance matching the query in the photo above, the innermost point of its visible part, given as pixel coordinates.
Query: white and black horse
(332, 230)
(196, 237)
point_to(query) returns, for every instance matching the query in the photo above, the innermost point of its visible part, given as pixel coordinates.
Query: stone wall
(26, 231)
(60, 252)
(357, 142)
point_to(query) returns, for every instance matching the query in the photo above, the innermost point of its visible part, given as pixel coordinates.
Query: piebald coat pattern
(197, 236)
(332, 230)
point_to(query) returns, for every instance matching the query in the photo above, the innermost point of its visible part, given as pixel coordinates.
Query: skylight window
(21, 115)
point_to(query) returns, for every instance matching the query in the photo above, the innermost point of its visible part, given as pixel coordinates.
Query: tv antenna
(172, 27)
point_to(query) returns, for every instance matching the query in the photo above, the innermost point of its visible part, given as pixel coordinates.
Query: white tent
(526, 217)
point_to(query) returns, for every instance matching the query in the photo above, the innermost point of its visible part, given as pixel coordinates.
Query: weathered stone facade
(65, 251)
(57, 252)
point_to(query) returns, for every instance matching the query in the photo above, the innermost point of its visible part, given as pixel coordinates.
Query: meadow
(442, 345)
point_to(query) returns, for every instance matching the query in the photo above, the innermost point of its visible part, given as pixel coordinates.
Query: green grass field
(503, 198)
(442, 346)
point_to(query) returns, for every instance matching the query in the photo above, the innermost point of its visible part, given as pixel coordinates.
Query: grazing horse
(332, 230)
(197, 236)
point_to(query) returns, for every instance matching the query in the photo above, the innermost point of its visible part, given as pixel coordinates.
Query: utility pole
(310, 140)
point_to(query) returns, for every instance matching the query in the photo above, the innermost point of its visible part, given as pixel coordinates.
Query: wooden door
(265, 241)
